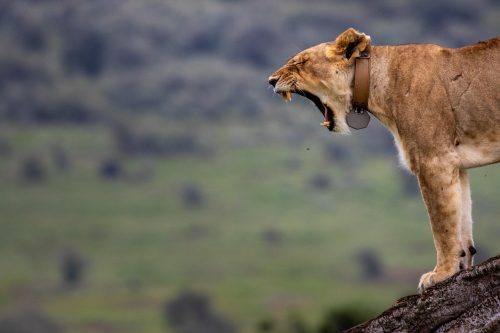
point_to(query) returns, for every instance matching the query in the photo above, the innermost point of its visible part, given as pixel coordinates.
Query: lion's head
(324, 74)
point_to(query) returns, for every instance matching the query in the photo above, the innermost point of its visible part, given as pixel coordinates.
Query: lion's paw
(429, 279)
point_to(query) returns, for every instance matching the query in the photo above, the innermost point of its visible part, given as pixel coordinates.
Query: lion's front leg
(468, 249)
(440, 185)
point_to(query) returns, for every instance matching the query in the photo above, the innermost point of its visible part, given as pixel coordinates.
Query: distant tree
(85, 52)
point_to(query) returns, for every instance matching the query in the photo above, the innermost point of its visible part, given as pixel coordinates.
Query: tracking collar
(358, 116)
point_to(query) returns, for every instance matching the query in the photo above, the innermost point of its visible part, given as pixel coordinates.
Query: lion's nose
(273, 81)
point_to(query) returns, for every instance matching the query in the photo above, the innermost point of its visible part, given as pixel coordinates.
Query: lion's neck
(380, 86)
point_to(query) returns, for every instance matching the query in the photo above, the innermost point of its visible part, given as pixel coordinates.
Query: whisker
(297, 47)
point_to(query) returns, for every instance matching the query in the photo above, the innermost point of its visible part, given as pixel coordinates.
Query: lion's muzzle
(286, 92)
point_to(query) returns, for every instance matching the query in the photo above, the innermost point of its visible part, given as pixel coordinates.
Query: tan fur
(440, 104)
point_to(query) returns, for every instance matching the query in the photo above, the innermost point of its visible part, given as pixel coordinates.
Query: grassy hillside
(264, 237)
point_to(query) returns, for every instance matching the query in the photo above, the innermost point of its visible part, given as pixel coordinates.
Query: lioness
(440, 104)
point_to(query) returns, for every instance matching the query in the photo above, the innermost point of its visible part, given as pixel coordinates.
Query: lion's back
(475, 82)
(472, 81)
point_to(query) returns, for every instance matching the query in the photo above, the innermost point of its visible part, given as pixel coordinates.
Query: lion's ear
(351, 43)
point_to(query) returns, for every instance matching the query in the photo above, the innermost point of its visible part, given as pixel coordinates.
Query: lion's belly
(479, 152)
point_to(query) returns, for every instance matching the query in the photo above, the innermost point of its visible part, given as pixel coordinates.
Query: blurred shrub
(111, 168)
(192, 312)
(191, 196)
(371, 265)
(334, 321)
(32, 169)
(27, 321)
(72, 269)
(272, 237)
(266, 325)
(320, 182)
(340, 319)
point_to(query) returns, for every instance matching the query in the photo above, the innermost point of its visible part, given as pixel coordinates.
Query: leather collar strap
(361, 83)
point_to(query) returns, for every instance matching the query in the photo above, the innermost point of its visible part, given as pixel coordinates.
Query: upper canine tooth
(287, 96)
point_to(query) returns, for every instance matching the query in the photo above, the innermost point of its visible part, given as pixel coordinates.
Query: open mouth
(325, 110)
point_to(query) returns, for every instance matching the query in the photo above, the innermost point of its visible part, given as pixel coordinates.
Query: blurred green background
(150, 181)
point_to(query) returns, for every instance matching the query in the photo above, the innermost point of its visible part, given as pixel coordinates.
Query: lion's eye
(301, 62)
